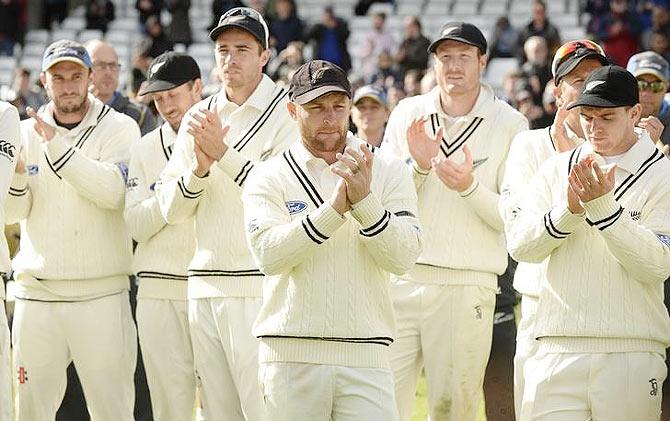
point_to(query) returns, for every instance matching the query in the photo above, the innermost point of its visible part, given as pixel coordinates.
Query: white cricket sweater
(529, 150)
(604, 284)
(326, 296)
(10, 142)
(163, 251)
(463, 232)
(261, 127)
(74, 242)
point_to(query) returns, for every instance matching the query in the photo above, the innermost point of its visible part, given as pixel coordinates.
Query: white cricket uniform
(528, 151)
(160, 262)
(327, 317)
(224, 283)
(72, 268)
(10, 142)
(445, 304)
(601, 321)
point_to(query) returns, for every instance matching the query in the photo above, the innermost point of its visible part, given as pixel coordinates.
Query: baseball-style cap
(462, 32)
(170, 70)
(316, 78)
(244, 18)
(569, 55)
(373, 92)
(609, 87)
(66, 50)
(649, 63)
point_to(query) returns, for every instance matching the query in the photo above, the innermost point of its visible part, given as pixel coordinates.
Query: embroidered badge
(295, 206)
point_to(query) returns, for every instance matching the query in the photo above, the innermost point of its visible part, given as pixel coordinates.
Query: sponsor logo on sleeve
(7, 150)
(32, 169)
(664, 238)
(295, 206)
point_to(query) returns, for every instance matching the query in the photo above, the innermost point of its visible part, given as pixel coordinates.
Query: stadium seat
(497, 69)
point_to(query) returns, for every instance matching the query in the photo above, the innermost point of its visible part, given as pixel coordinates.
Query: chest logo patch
(295, 206)
(32, 169)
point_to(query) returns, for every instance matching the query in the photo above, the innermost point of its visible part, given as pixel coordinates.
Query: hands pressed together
(208, 138)
(355, 169)
(588, 181)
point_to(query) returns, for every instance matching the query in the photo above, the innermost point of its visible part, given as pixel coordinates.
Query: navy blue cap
(66, 50)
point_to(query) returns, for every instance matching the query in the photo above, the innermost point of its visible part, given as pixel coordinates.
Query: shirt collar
(258, 98)
(90, 119)
(634, 157)
(480, 109)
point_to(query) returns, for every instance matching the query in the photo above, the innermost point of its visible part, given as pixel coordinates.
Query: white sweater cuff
(322, 222)
(191, 185)
(473, 187)
(368, 211)
(19, 185)
(235, 165)
(560, 222)
(603, 211)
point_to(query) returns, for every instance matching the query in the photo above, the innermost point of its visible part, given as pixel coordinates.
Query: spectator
(286, 27)
(370, 113)
(160, 42)
(148, 8)
(394, 95)
(536, 71)
(362, 6)
(596, 10)
(330, 38)
(549, 100)
(652, 74)
(412, 82)
(619, 30)
(660, 43)
(141, 61)
(540, 26)
(26, 95)
(659, 21)
(281, 68)
(99, 13)
(505, 39)
(10, 11)
(384, 74)
(511, 82)
(53, 11)
(179, 28)
(219, 7)
(413, 51)
(533, 112)
(105, 82)
(376, 40)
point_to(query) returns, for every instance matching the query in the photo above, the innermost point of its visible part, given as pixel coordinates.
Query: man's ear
(291, 110)
(636, 113)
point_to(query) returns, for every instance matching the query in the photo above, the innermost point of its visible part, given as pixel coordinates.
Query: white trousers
(526, 346)
(621, 386)
(226, 357)
(447, 330)
(314, 392)
(165, 341)
(6, 411)
(98, 335)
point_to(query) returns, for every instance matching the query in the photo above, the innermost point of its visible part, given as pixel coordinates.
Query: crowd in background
(396, 61)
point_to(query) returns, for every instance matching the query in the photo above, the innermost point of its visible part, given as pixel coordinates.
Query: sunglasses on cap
(655, 87)
(570, 47)
(244, 11)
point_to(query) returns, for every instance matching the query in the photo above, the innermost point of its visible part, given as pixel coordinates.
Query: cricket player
(456, 139)
(72, 268)
(10, 144)
(571, 65)
(163, 251)
(600, 214)
(327, 222)
(218, 144)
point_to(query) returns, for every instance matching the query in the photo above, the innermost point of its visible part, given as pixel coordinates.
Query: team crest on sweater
(295, 206)
(32, 169)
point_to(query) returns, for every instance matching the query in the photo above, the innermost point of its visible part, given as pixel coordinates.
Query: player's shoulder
(8, 110)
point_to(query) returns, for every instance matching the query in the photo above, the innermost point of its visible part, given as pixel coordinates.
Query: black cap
(316, 78)
(66, 50)
(462, 32)
(244, 18)
(570, 54)
(168, 71)
(609, 87)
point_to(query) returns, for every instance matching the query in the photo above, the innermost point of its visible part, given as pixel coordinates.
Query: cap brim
(315, 93)
(214, 34)
(371, 96)
(433, 46)
(594, 55)
(595, 101)
(62, 59)
(158, 86)
(653, 72)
